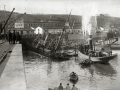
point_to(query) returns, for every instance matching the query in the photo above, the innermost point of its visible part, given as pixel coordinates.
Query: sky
(77, 7)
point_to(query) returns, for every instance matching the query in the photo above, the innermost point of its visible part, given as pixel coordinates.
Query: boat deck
(104, 59)
(83, 58)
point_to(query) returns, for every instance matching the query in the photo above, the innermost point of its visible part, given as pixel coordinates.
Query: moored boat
(53, 47)
(86, 62)
(70, 53)
(115, 46)
(103, 58)
(46, 52)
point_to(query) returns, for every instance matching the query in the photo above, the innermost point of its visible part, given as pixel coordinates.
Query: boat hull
(44, 52)
(86, 62)
(71, 53)
(115, 47)
(73, 78)
(104, 59)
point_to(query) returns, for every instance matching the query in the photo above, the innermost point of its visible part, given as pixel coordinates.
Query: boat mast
(62, 32)
(46, 38)
(60, 39)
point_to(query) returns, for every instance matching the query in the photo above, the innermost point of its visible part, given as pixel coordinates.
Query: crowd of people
(13, 37)
(66, 88)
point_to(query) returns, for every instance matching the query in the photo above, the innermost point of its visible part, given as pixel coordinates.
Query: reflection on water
(105, 70)
(43, 73)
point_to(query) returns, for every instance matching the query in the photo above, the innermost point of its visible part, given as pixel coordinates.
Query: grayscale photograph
(59, 45)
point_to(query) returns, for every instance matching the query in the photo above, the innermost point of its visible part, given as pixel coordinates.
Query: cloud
(63, 6)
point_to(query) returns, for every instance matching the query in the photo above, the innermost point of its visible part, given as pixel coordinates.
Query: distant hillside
(52, 17)
(106, 21)
(102, 19)
(40, 17)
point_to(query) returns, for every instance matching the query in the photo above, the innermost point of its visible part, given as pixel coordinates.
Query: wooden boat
(73, 77)
(105, 58)
(60, 55)
(86, 62)
(46, 52)
(70, 53)
(115, 46)
(51, 47)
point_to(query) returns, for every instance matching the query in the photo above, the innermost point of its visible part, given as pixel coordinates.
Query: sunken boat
(53, 46)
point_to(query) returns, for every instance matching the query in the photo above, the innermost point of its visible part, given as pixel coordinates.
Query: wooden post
(90, 42)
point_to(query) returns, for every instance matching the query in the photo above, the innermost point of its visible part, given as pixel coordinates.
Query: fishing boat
(98, 56)
(52, 46)
(86, 62)
(71, 53)
(88, 50)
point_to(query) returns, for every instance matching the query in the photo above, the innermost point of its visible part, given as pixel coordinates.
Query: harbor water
(43, 73)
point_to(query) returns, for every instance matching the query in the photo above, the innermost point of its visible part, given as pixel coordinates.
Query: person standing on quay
(68, 87)
(14, 37)
(17, 37)
(74, 88)
(60, 87)
(10, 37)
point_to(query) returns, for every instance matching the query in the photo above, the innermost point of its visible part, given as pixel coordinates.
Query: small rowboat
(70, 53)
(73, 77)
(86, 62)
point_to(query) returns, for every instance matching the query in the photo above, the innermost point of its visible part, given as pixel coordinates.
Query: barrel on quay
(13, 77)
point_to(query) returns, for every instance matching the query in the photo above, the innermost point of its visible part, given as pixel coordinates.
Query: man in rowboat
(73, 74)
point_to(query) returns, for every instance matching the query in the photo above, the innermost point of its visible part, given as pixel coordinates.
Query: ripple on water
(43, 73)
